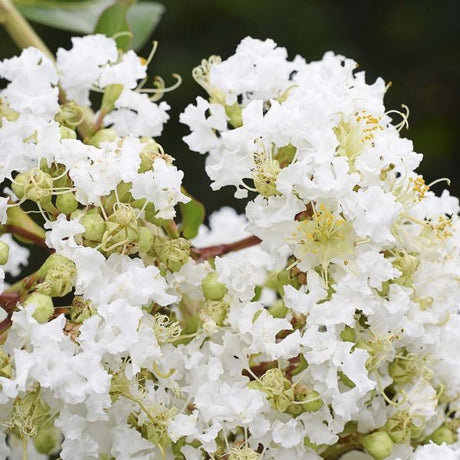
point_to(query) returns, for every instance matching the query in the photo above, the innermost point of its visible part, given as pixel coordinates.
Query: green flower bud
(172, 253)
(95, 227)
(44, 304)
(48, 440)
(278, 309)
(379, 444)
(212, 288)
(37, 185)
(81, 309)
(67, 133)
(18, 185)
(111, 95)
(443, 434)
(145, 239)
(4, 252)
(103, 135)
(66, 203)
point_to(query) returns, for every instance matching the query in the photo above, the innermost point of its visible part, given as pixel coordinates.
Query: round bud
(18, 185)
(4, 252)
(172, 253)
(379, 444)
(103, 135)
(44, 304)
(94, 227)
(145, 239)
(66, 203)
(313, 402)
(443, 434)
(213, 289)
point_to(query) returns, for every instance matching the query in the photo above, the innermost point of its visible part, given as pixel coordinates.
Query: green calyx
(81, 309)
(35, 185)
(58, 275)
(277, 388)
(4, 252)
(212, 288)
(378, 444)
(173, 254)
(44, 304)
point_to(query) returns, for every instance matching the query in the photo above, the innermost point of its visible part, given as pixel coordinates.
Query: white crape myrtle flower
(136, 114)
(82, 66)
(33, 84)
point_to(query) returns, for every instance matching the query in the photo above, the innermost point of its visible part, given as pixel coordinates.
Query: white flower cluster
(334, 336)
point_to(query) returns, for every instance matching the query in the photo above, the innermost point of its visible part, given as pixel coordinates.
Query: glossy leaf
(75, 16)
(113, 23)
(143, 18)
(193, 214)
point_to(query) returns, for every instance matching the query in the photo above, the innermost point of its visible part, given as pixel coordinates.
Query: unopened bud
(103, 135)
(4, 252)
(111, 95)
(145, 239)
(172, 253)
(44, 304)
(379, 444)
(212, 288)
(94, 227)
(66, 203)
(443, 434)
(35, 185)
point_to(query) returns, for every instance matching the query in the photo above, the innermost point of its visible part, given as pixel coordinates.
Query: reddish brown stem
(98, 123)
(13, 229)
(202, 254)
(8, 301)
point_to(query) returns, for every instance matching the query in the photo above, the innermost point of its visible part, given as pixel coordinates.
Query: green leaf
(143, 18)
(74, 15)
(112, 22)
(193, 214)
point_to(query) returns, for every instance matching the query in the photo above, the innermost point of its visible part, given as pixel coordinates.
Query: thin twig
(202, 254)
(22, 232)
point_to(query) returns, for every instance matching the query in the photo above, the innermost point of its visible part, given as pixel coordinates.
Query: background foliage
(413, 44)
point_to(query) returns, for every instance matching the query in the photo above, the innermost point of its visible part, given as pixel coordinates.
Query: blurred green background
(413, 44)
